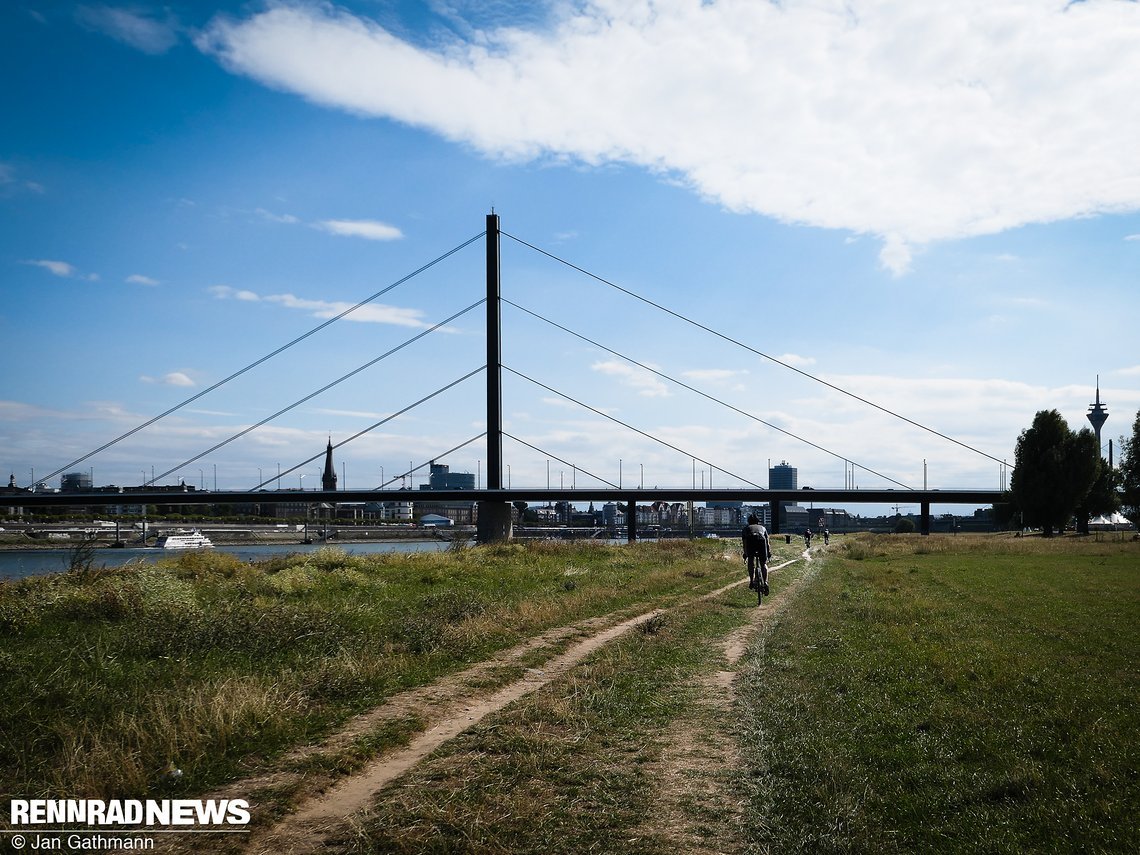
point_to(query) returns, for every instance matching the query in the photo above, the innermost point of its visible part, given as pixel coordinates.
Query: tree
(1101, 497)
(1054, 468)
(1130, 473)
(904, 525)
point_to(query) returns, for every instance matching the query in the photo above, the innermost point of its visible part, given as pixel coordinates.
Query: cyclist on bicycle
(757, 552)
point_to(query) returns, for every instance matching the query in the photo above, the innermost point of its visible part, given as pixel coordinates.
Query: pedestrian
(807, 538)
(826, 537)
(757, 552)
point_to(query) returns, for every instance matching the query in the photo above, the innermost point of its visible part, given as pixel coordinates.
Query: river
(18, 563)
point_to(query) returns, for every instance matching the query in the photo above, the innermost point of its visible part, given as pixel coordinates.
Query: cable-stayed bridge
(494, 500)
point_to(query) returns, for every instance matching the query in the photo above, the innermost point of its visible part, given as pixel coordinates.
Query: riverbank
(65, 539)
(258, 657)
(920, 694)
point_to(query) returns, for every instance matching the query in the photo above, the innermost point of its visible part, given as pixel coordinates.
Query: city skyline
(935, 210)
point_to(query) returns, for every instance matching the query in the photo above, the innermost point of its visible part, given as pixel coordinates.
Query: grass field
(953, 696)
(204, 663)
(899, 693)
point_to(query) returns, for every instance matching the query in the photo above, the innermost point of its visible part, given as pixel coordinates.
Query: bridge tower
(494, 517)
(1097, 415)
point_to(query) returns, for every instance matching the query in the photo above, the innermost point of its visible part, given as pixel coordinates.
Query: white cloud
(10, 183)
(375, 313)
(368, 229)
(131, 27)
(1133, 237)
(1020, 302)
(276, 218)
(353, 414)
(713, 375)
(57, 268)
(895, 254)
(18, 411)
(795, 360)
(139, 279)
(646, 383)
(174, 378)
(913, 122)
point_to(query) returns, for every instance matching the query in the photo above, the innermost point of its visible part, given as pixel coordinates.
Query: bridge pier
(775, 506)
(924, 517)
(631, 521)
(495, 524)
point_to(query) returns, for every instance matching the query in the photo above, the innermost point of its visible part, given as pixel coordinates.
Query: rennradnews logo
(128, 812)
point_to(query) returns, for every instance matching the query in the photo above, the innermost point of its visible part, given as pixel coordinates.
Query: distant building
(783, 477)
(763, 513)
(12, 493)
(75, 482)
(441, 477)
(460, 513)
(391, 511)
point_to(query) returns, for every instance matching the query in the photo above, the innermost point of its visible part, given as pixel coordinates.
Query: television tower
(1097, 414)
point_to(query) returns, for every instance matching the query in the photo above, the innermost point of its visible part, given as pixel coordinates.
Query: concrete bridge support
(495, 524)
(631, 521)
(924, 517)
(775, 506)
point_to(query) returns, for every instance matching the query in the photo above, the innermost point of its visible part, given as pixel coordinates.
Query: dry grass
(209, 663)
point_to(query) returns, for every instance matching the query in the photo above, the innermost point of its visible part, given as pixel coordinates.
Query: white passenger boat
(184, 540)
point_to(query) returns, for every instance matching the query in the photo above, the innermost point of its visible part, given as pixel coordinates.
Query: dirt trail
(697, 807)
(454, 706)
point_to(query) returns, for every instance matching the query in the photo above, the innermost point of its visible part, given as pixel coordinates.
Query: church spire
(328, 479)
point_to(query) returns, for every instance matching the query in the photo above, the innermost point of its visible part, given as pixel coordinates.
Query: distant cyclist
(757, 552)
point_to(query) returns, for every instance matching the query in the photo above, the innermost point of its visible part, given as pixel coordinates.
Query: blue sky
(933, 206)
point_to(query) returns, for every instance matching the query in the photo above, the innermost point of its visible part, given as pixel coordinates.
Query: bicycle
(756, 578)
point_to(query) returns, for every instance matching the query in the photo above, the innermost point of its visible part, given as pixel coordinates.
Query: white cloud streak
(713, 375)
(646, 383)
(174, 378)
(56, 268)
(913, 122)
(131, 27)
(276, 218)
(367, 229)
(374, 313)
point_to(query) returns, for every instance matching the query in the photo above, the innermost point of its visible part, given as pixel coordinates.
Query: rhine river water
(18, 563)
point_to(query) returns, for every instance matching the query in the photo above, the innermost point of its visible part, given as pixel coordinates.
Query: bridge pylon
(494, 517)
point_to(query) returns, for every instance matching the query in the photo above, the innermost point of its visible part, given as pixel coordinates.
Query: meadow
(895, 694)
(116, 677)
(953, 695)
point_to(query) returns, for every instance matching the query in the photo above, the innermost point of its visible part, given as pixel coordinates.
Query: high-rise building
(783, 477)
